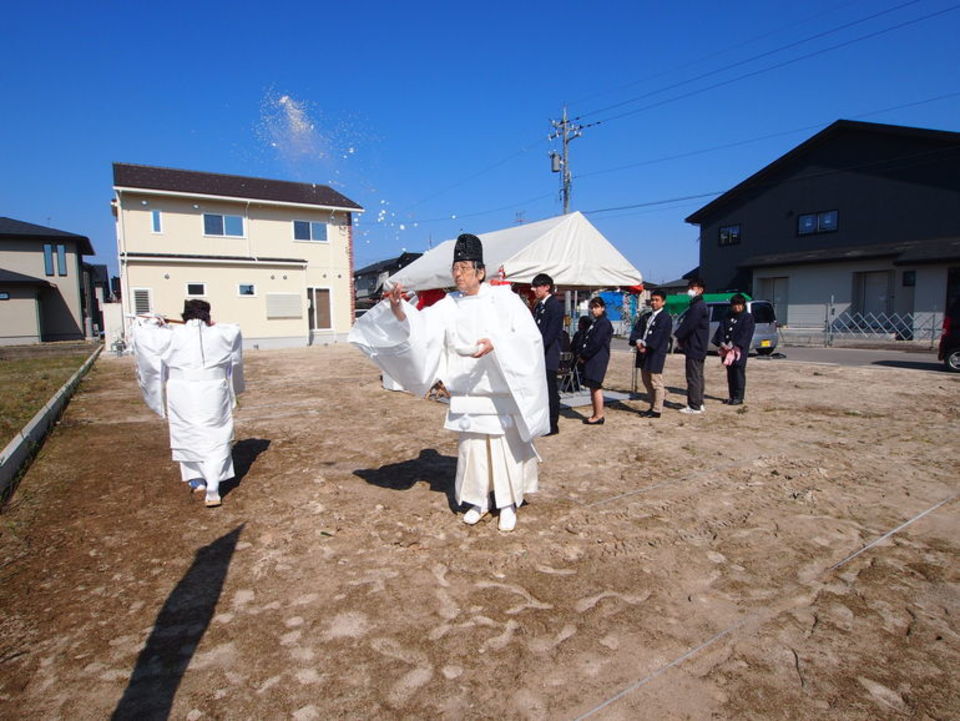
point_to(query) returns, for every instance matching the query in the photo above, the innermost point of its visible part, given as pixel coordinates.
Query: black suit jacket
(657, 341)
(549, 318)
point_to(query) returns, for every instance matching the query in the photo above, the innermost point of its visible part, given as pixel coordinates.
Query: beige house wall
(167, 285)
(60, 309)
(268, 233)
(19, 320)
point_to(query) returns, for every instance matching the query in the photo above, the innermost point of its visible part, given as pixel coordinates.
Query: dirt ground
(680, 568)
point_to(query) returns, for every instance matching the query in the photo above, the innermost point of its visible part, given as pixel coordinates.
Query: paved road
(921, 361)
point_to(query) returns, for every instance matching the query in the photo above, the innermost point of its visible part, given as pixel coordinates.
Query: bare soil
(681, 568)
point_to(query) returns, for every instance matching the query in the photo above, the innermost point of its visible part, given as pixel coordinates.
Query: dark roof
(10, 228)
(903, 253)
(246, 258)
(931, 251)
(764, 176)
(401, 261)
(233, 186)
(8, 277)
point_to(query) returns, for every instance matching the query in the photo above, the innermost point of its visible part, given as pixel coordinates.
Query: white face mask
(691, 292)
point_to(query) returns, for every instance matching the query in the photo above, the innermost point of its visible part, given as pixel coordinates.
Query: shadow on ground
(429, 467)
(245, 452)
(176, 634)
(909, 365)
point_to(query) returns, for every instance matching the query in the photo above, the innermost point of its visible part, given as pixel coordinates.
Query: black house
(863, 214)
(368, 281)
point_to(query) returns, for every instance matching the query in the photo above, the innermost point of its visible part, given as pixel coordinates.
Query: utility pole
(560, 162)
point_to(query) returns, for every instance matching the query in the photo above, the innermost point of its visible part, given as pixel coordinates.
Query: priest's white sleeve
(518, 351)
(410, 351)
(150, 341)
(236, 365)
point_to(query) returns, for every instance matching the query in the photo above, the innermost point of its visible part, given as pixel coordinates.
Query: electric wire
(710, 56)
(764, 54)
(761, 71)
(886, 163)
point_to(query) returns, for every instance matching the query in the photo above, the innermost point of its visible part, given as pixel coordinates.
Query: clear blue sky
(425, 111)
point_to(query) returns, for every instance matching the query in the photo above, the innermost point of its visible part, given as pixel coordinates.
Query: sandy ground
(684, 568)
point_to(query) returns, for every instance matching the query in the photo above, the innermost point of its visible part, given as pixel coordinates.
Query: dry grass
(27, 383)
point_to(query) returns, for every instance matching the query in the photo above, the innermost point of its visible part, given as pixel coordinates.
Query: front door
(775, 290)
(875, 298)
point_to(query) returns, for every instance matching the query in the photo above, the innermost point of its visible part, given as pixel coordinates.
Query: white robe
(191, 374)
(498, 402)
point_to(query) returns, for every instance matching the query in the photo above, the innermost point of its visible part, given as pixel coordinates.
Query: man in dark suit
(548, 313)
(693, 336)
(651, 338)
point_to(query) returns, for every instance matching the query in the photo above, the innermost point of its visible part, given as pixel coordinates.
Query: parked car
(765, 335)
(949, 349)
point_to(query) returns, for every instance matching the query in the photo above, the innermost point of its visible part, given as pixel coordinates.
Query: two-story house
(862, 215)
(274, 256)
(41, 298)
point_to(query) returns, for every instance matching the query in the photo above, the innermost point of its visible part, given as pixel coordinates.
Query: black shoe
(652, 414)
(726, 401)
(736, 402)
(553, 432)
(598, 422)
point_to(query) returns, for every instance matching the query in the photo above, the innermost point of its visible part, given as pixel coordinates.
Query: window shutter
(284, 305)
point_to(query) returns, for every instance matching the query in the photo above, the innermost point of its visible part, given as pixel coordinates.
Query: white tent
(567, 248)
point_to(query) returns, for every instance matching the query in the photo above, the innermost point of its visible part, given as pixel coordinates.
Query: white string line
(890, 533)
(677, 661)
(713, 639)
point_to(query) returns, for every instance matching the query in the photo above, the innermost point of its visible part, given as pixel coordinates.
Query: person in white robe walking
(191, 374)
(483, 343)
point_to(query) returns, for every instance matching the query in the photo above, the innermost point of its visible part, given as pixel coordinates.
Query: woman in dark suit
(733, 338)
(594, 356)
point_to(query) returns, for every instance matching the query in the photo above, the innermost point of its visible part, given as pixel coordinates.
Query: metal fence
(847, 326)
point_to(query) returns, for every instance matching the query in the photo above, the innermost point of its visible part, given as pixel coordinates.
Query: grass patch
(26, 384)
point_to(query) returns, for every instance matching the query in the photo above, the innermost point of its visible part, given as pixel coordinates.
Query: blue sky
(434, 116)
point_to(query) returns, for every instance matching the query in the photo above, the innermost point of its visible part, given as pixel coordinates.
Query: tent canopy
(567, 248)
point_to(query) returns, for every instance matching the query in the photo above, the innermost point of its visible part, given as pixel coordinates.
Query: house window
(246, 289)
(730, 235)
(141, 300)
(309, 230)
(155, 221)
(196, 289)
(822, 222)
(48, 258)
(214, 224)
(62, 259)
(909, 278)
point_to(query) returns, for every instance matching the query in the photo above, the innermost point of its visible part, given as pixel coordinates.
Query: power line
(747, 141)
(888, 163)
(715, 54)
(767, 53)
(679, 156)
(753, 73)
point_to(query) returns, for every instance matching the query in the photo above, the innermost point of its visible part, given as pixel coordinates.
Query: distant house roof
(765, 175)
(390, 264)
(8, 277)
(194, 182)
(10, 228)
(904, 253)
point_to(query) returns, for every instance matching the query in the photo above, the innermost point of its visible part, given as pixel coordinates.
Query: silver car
(765, 335)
